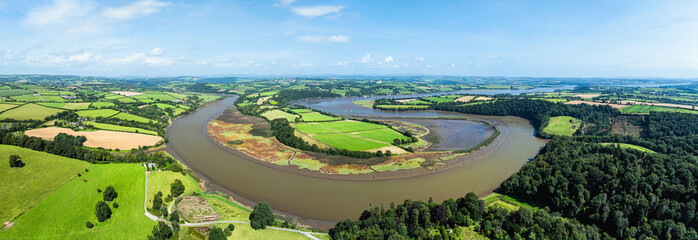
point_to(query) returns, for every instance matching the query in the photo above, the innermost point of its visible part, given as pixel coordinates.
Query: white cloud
(142, 58)
(493, 56)
(156, 51)
(339, 38)
(273, 62)
(57, 12)
(344, 63)
(136, 9)
(321, 39)
(419, 59)
(310, 39)
(83, 57)
(453, 65)
(478, 65)
(316, 11)
(366, 59)
(389, 59)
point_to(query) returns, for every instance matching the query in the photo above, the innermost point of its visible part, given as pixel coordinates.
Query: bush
(79, 175)
(89, 224)
(168, 198)
(227, 232)
(99, 190)
(102, 211)
(109, 193)
(16, 161)
(231, 227)
(115, 205)
(216, 234)
(87, 170)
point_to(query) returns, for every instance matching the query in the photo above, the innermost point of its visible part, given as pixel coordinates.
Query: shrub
(115, 205)
(216, 234)
(109, 193)
(79, 175)
(168, 198)
(16, 161)
(231, 227)
(99, 190)
(89, 224)
(102, 211)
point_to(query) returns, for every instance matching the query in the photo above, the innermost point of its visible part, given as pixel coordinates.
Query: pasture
(4, 107)
(131, 117)
(316, 117)
(648, 109)
(13, 92)
(100, 138)
(401, 106)
(105, 113)
(112, 127)
(28, 98)
(29, 112)
(439, 99)
(383, 135)
(348, 141)
(301, 110)
(24, 187)
(310, 128)
(101, 104)
(62, 215)
(276, 114)
(562, 125)
(349, 126)
(161, 180)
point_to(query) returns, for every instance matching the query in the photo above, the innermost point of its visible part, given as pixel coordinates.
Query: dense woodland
(420, 220)
(285, 96)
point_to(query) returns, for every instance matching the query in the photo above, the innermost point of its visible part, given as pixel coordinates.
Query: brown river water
(321, 202)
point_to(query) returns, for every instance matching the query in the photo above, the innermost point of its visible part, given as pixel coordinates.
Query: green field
(28, 98)
(50, 98)
(350, 126)
(310, 128)
(275, 114)
(131, 117)
(97, 113)
(106, 126)
(626, 145)
(161, 180)
(77, 106)
(62, 215)
(401, 106)
(302, 110)
(154, 97)
(4, 107)
(52, 104)
(29, 111)
(317, 117)
(209, 97)
(383, 135)
(562, 125)
(439, 99)
(507, 202)
(348, 141)
(364, 103)
(418, 102)
(129, 100)
(394, 166)
(101, 104)
(13, 92)
(648, 109)
(22, 188)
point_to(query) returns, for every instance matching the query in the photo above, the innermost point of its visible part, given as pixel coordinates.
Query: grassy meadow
(562, 125)
(62, 215)
(29, 112)
(24, 187)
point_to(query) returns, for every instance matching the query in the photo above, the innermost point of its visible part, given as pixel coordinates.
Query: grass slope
(4, 107)
(120, 128)
(350, 126)
(62, 215)
(22, 188)
(626, 145)
(275, 114)
(383, 135)
(97, 113)
(161, 180)
(317, 117)
(131, 117)
(562, 125)
(309, 128)
(29, 111)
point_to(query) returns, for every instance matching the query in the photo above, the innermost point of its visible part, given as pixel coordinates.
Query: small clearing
(562, 125)
(596, 103)
(464, 99)
(587, 95)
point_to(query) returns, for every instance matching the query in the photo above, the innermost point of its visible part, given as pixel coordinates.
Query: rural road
(156, 218)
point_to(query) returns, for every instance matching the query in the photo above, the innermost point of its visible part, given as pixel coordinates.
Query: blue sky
(469, 38)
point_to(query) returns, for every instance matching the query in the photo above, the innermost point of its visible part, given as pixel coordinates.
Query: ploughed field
(100, 138)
